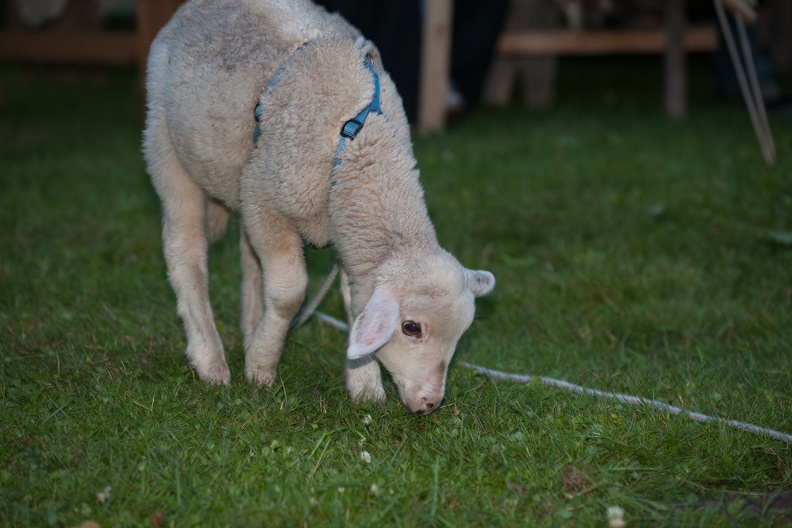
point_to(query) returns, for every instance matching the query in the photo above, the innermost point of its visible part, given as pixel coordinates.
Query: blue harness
(350, 129)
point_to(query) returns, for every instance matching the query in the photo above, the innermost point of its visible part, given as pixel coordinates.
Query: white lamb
(294, 174)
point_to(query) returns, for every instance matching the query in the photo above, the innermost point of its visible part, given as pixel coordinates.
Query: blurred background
(484, 52)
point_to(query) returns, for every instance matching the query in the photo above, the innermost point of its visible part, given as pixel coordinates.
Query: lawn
(633, 254)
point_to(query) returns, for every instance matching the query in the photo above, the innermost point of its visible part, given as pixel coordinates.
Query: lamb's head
(413, 321)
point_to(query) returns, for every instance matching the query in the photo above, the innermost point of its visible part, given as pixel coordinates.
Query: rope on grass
(313, 304)
(578, 389)
(625, 398)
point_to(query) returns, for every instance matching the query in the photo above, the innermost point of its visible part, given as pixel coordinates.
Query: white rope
(332, 321)
(578, 389)
(624, 398)
(318, 297)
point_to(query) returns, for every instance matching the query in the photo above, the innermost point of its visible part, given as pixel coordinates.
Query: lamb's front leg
(283, 281)
(363, 376)
(364, 379)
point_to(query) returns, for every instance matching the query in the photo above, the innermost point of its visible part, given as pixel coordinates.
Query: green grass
(632, 254)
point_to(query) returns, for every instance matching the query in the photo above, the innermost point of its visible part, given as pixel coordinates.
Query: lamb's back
(207, 68)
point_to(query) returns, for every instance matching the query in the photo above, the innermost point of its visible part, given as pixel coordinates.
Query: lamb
(282, 111)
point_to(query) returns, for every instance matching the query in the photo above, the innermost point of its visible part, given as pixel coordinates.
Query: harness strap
(257, 111)
(349, 130)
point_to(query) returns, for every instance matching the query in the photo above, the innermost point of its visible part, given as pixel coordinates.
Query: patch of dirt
(761, 506)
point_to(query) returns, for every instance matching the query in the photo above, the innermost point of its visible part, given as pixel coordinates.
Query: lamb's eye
(412, 329)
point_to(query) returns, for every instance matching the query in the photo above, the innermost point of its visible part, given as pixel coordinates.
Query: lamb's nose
(426, 409)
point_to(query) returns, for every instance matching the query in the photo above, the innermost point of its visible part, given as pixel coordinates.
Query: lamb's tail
(217, 216)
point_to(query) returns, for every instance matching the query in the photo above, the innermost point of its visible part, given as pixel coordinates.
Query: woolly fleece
(207, 70)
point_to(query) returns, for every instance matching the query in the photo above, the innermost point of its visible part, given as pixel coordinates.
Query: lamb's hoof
(261, 377)
(368, 394)
(218, 373)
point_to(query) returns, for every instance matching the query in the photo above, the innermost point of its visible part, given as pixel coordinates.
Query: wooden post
(435, 64)
(675, 60)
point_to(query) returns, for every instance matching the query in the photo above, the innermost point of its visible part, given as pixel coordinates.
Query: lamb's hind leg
(283, 280)
(185, 245)
(252, 290)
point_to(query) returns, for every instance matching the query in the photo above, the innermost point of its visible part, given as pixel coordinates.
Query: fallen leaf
(158, 518)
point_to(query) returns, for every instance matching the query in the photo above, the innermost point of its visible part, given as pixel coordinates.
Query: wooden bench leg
(537, 77)
(675, 60)
(539, 82)
(500, 81)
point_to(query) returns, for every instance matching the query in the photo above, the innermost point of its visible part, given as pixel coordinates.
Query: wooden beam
(62, 47)
(564, 42)
(435, 64)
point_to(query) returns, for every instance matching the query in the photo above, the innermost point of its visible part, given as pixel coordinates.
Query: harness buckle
(352, 127)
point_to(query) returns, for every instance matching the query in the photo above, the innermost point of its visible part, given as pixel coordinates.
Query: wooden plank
(435, 64)
(62, 47)
(564, 42)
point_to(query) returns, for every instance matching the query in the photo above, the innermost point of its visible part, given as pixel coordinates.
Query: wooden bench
(92, 47)
(121, 48)
(674, 41)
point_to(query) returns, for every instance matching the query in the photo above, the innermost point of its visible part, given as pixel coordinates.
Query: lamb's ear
(480, 282)
(375, 324)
